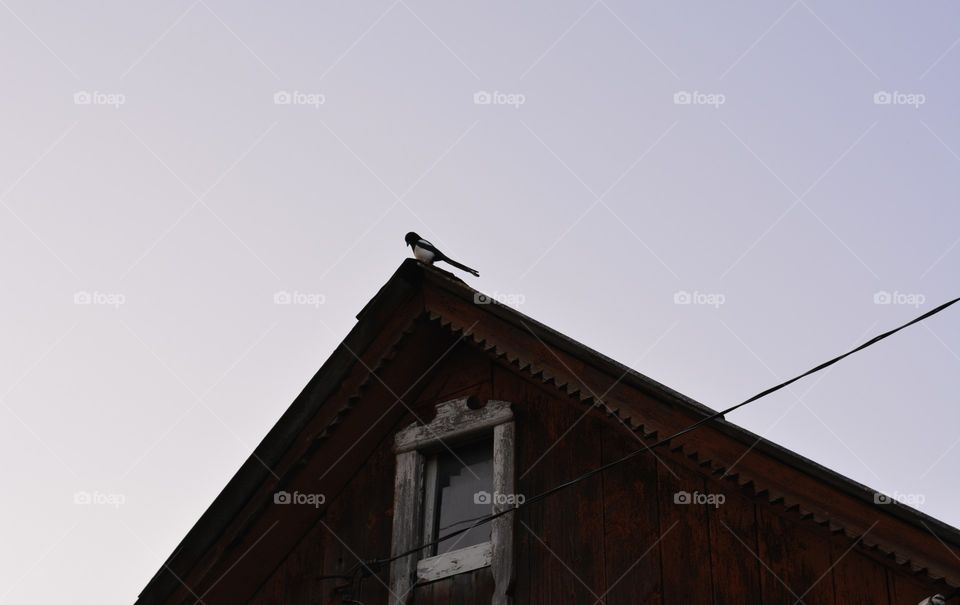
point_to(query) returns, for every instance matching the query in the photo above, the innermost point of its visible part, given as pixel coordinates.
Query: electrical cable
(380, 563)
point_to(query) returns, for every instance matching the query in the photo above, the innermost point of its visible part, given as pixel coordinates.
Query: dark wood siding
(733, 540)
(617, 538)
(632, 566)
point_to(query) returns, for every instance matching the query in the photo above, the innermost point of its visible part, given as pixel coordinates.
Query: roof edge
(403, 284)
(796, 461)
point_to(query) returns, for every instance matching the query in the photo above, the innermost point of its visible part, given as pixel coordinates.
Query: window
(455, 489)
(448, 475)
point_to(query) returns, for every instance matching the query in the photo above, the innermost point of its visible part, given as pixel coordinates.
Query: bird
(427, 253)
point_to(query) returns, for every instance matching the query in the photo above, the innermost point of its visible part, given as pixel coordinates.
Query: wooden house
(441, 407)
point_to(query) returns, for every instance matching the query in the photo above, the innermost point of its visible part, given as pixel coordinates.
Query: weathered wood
(857, 580)
(631, 523)
(511, 386)
(501, 535)
(407, 515)
(597, 528)
(265, 532)
(561, 539)
(712, 442)
(433, 593)
(472, 378)
(905, 590)
(454, 419)
(685, 542)
(796, 561)
(733, 535)
(455, 562)
(471, 588)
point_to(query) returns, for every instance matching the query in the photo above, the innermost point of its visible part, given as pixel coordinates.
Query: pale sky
(786, 168)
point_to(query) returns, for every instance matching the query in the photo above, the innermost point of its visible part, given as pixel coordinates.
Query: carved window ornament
(463, 449)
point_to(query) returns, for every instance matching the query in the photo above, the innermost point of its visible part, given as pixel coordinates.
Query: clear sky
(788, 169)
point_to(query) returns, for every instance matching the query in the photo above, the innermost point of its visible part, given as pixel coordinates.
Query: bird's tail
(462, 267)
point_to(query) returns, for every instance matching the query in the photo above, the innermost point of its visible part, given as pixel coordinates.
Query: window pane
(461, 476)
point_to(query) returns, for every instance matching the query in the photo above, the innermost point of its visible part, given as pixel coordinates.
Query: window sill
(454, 562)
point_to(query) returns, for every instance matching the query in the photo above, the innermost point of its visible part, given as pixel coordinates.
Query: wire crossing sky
(378, 564)
(198, 196)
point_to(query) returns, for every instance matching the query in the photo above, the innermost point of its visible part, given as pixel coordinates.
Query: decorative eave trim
(570, 385)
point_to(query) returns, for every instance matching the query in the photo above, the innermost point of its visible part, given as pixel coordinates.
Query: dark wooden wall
(617, 538)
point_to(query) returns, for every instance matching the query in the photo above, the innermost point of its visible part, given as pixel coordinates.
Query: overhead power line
(378, 564)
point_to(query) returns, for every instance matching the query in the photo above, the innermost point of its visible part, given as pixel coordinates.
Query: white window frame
(414, 498)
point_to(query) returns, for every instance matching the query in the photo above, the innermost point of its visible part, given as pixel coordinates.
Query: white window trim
(457, 561)
(455, 421)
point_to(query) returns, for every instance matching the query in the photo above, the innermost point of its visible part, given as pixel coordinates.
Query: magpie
(427, 253)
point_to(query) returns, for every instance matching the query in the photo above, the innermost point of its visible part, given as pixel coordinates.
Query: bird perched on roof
(427, 253)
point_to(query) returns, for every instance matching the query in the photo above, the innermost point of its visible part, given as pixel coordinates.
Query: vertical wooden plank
(508, 386)
(372, 523)
(407, 521)
(561, 538)
(465, 371)
(434, 593)
(357, 523)
(733, 545)
(631, 523)
(795, 561)
(685, 545)
(270, 592)
(858, 580)
(573, 521)
(296, 570)
(298, 577)
(906, 590)
(504, 451)
(474, 588)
